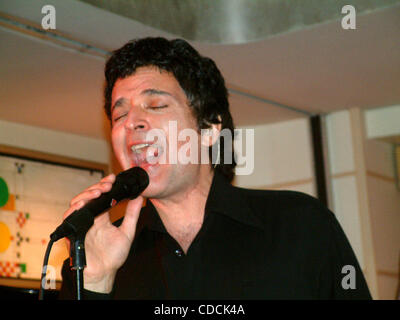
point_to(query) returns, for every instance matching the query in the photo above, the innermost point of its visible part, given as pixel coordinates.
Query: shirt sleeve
(341, 277)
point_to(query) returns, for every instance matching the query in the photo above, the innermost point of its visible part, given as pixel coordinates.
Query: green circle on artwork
(3, 192)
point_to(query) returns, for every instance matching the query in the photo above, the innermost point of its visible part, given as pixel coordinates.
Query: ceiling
(234, 21)
(320, 68)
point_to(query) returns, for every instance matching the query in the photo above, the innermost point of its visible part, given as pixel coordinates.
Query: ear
(210, 136)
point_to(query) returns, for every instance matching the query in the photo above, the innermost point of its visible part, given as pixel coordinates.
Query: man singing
(199, 237)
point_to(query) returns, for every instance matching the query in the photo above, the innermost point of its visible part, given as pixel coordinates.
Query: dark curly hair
(198, 76)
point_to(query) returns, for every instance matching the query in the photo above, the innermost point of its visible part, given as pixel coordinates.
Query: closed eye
(158, 107)
(120, 116)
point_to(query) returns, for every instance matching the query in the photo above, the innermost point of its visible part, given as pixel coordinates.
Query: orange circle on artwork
(5, 237)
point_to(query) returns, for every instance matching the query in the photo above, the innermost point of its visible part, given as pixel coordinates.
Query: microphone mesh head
(133, 180)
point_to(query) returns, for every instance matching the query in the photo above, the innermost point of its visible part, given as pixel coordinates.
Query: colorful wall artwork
(33, 198)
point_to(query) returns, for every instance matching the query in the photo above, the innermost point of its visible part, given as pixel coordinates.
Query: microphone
(128, 184)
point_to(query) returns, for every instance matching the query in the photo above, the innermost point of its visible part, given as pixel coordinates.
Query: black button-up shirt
(253, 244)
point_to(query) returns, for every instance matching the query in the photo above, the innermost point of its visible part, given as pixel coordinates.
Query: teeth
(136, 148)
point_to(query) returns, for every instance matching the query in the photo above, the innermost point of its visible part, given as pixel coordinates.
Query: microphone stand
(78, 260)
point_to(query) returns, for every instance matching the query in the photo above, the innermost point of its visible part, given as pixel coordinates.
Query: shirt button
(179, 253)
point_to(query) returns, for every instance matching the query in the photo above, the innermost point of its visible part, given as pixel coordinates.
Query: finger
(109, 178)
(86, 196)
(92, 192)
(76, 206)
(82, 199)
(128, 225)
(104, 185)
(101, 186)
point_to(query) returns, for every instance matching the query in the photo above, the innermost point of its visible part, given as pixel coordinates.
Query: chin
(152, 191)
(157, 181)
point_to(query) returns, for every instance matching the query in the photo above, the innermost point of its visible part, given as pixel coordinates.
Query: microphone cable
(44, 269)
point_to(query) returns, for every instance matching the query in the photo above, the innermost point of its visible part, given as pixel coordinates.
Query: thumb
(128, 225)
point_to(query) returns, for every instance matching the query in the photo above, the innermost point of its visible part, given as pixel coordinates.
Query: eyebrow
(151, 92)
(118, 103)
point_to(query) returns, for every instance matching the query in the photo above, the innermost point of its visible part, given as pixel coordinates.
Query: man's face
(147, 100)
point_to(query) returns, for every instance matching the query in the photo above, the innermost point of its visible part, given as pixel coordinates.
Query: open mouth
(146, 153)
(138, 148)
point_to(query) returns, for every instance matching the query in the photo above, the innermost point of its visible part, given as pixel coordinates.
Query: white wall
(364, 194)
(384, 203)
(54, 142)
(344, 188)
(283, 157)
(383, 122)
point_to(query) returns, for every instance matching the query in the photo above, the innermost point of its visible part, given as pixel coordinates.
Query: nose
(136, 120)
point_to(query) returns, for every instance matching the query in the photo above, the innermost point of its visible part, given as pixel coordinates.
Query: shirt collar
(231, 201)
(223, 198)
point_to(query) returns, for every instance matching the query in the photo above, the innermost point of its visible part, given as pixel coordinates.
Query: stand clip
(78, 261)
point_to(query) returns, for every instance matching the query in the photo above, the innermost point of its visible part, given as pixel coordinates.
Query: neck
(183, 214)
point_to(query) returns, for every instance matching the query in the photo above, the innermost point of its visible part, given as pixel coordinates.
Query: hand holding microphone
(106, 245)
